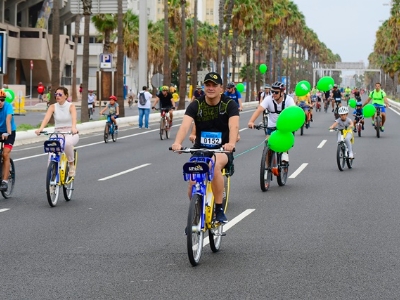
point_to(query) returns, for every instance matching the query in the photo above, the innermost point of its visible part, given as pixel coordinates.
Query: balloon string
(251, 149)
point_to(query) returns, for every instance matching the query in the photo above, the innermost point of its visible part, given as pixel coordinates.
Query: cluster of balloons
(302, 88)
(289, 120)
(9, 95)
(325, 83)
(240, 87)
(263, 68)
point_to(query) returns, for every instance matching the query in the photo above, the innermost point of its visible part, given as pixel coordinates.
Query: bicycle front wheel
(194, 232)
(52, 187)
(378, 125)
(265, 169)
(282, 171)
(340, 157)
(359, 128)
(162, 128)
(106, 134)
(11, 181)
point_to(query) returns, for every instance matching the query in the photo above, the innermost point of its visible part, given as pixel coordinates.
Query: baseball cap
(214, 77)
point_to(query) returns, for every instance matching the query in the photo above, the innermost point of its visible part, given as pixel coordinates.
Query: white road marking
(395, 111)
(124, 172)
(4, 209)
(298, 171)
(232, 223)
(322, 144)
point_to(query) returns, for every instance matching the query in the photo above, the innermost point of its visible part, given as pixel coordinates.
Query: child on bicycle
(358, 115)
(113, 110)
(344, 122)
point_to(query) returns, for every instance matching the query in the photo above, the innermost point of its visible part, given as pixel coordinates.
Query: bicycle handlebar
(205, 150)
(56, 132)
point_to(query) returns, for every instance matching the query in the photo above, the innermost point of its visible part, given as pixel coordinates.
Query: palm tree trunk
(220, 31)
(87, 11)
(248, 71)
(167, 71)
(227, 29)
(234, 53)
(182, 75)
(193, 64)
(55, 55)
(120, 62)
(76, 37)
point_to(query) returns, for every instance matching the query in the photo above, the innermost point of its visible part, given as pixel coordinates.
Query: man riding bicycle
(216, 118)
(336, 96)
(379, 99)
(7, 133)
(274, 103)
(166, 102)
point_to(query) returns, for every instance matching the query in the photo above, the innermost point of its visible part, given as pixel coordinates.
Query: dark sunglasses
(2, 99)
(58, 94)
(275, 92)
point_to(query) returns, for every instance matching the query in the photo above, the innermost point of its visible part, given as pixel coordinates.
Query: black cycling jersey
(336, 94)
(165, 101)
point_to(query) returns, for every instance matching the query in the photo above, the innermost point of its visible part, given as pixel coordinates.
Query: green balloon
(281, 141)
(352, 103)
(301, 89)
(9, 95)
(306, 83)
(263, 68)
(240, 87)
(290, 119)
(368, 110)
(325, 83)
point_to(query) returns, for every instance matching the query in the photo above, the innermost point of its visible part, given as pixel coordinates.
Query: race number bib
(210, 139)
(338, 99)
(90, 105)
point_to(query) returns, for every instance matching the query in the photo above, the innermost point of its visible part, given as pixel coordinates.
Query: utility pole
(142, 44)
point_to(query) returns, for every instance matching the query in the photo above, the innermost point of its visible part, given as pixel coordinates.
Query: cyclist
(267, 92)
(234, 94)
(379, 99)
(130, 97)
(347, 92)
(305, 103)
(357, 94)
(336, 96)
(216, 118)
(358, 115)
(91, 100)
(113, 110)
(166, 102)
(274, 103)
(343, 122)
(40, 89)
(64, 113)
(7, 132)
(198, 93)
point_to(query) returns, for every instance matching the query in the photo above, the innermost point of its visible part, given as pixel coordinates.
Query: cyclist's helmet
(165, 88)
(267, 86)
(343, 110)
(359, 103)
(278, 86)
(230, 85)
(2, 94)
(112, 97)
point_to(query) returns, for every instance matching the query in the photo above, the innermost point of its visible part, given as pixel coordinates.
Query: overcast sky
(347, 27)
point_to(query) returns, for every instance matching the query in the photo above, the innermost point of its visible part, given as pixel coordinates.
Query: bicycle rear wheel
(265, 169)
(194, 232)
(359, 128)
(68, 187)
(162, 126)
(340, 157)
(349, 162)
(52, 187)
(283, 171)
(378, 125)
(114, 134)
(167, 129)
(11, 181)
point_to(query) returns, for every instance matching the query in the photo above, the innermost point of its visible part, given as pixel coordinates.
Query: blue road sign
(106, 60)
(3, 52)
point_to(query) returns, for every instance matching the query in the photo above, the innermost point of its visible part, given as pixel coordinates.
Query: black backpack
(142, 99)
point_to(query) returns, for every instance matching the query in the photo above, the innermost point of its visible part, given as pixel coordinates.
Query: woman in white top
(64, 114)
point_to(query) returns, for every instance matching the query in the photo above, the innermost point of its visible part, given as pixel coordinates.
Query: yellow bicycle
(201, 215)
(57, 170)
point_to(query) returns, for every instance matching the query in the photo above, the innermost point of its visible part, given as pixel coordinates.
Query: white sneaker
(351, 155)
(285, 157)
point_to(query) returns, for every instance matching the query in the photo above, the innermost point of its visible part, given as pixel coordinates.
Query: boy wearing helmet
(113, 110)
(7, 132)
(234, 94)
(358, 115)
(344, 122)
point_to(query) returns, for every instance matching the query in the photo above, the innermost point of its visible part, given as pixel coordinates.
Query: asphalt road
(325, 235)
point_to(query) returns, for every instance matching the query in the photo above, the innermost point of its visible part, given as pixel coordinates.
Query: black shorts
(10, 139)
(166, 109)
(210, 154)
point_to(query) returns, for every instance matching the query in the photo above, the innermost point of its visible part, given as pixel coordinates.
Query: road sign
(106, 60)
(98, 6)
(157, 80)
(349, 65)
(201, 75)
(3, 52)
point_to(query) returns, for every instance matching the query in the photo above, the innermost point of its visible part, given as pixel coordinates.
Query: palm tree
(120, 61)
(182, 71)
(76, 38)
(105, 24)
(55, 56)
(193, 62)
(166, 65)
(87, 11)
(220, 31)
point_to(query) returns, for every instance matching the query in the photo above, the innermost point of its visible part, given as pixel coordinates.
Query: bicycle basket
(54, 145)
